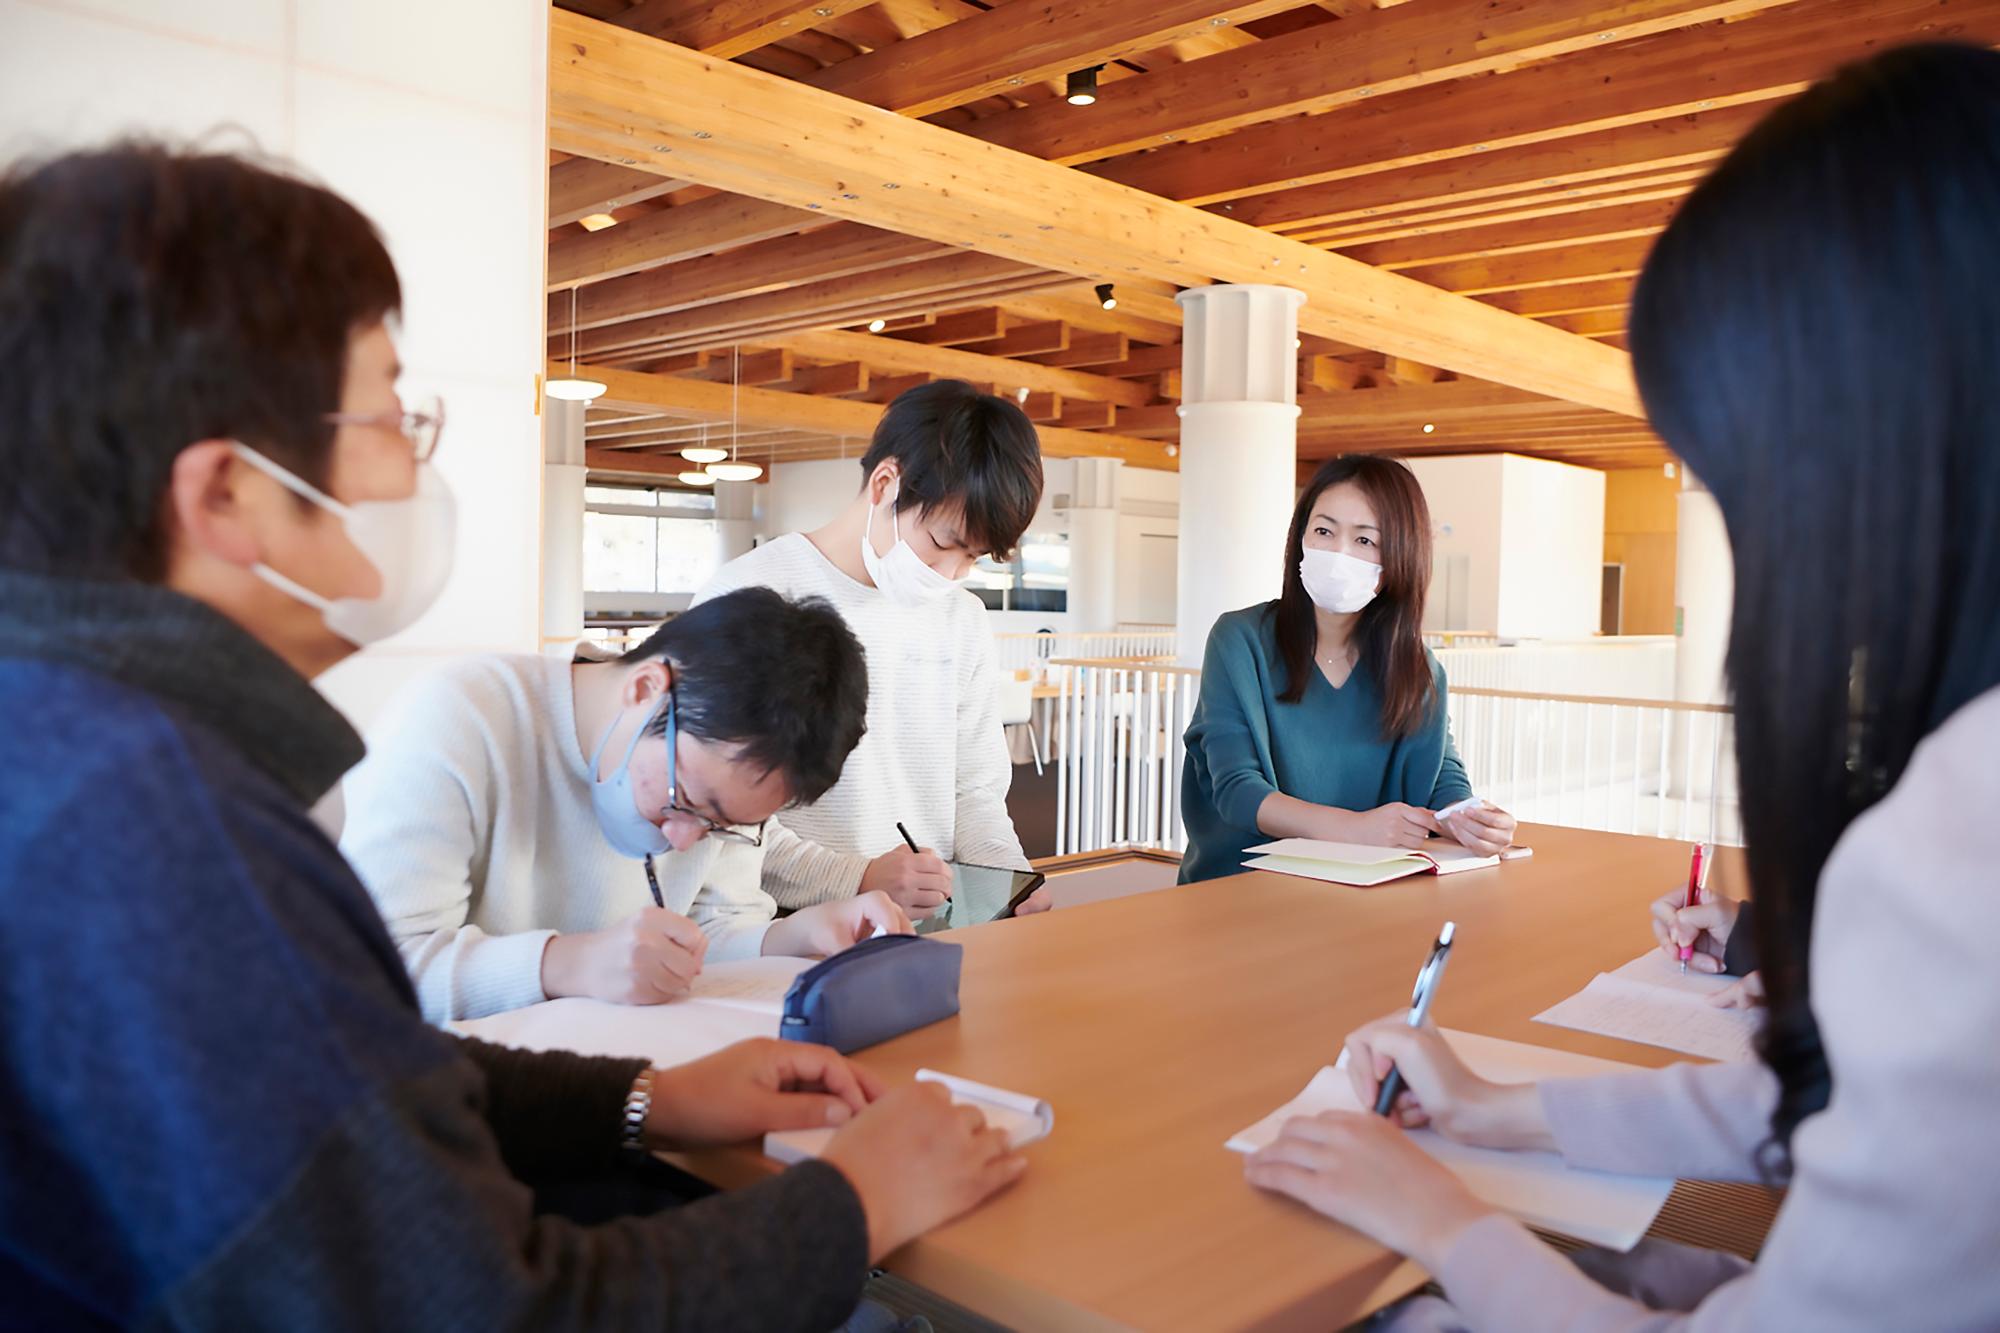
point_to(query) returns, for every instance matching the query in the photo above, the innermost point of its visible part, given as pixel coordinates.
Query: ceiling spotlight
(1104, 296)
(735, 471)
(877, 325)
(697, 479)
(1083, 85)
(597, 221)
(1021, 395)
(704, 453)
(1429, 428)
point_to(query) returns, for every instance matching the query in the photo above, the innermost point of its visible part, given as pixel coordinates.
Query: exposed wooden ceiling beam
(1621, 223)
(838, 251)
(1534, 207)
(768, 408)
(729, 28)
(580, 187)
(1088, 349)
(975, 364)
(1337, 64)
(1085, 312)
(719, 222)
(1011, 45)
(950, 280)
(1568, 299)
(1759, 60)
(1541, 268)
(965, 326)
(1658, 145)
(613, 92)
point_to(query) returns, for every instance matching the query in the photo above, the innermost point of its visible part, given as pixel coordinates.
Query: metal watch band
(638, 1102)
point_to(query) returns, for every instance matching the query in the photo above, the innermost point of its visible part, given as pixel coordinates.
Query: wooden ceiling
(1465, 189)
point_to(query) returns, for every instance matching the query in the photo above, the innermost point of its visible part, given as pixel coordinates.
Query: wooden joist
(975, 364)
(614, 93)
(728, 28)
(770, 409)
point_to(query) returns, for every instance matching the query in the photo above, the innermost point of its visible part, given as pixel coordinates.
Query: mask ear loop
(637, 736)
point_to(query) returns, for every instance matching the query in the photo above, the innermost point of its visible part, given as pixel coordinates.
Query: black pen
(1420, 1010)
(907, 838)
(653, 883)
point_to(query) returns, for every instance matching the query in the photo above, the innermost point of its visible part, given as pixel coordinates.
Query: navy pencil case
(880, 988)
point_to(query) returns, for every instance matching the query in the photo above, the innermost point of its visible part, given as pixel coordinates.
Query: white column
(562, 525)
(1704, 595)
(1093, 545)
(735, 518)
(1239, 450)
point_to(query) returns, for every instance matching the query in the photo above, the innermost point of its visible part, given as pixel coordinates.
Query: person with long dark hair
(1816, 334)
(1322, 713)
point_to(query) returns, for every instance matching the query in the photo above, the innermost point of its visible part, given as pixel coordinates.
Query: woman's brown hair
(1389, 633)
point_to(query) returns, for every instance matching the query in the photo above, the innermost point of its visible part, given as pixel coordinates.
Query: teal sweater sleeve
(1452, 785)
(1231, 732)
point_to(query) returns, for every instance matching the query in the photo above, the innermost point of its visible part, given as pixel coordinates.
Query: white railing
(1037, 655)
(1623, 666)
(1620, 765)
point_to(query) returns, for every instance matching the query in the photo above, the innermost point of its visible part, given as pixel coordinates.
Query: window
(1037, 579)
(642, 541)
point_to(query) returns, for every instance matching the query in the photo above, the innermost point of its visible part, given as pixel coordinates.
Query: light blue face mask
(628, 831)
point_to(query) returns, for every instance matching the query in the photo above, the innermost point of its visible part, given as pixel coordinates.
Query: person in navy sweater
(219, 1105)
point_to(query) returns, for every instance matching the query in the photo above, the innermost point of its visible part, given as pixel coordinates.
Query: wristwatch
(638, 1104)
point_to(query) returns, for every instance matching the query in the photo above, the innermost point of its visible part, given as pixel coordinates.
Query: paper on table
(1649, 1001)
(1537, 1187)
(728, 1003)
(1025, 1119)
(758, 983)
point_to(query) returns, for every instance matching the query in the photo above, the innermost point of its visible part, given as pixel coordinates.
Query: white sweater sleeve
(419, 810)
(801, 873)
(730, 907)
(984, 833)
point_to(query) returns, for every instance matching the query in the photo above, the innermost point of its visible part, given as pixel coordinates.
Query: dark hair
(151, 298)
(1816, 333)
(785, 681)
(1389, 633)
(955, 445)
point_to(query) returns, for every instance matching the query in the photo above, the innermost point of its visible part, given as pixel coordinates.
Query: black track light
(1083, 85)
(1105, 297)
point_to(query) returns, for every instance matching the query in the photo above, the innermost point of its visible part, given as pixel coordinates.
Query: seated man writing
(533, 827)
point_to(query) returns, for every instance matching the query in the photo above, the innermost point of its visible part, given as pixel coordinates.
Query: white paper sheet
(728, 1003)
(1025, 1119)
(1648, 1000)
(1536, 1187)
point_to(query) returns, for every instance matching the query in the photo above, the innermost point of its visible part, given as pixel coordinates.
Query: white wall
(1464, 495)
(802, 496)
(1532, 533)
(1552, 568)
(1148, 546)
(430, 117)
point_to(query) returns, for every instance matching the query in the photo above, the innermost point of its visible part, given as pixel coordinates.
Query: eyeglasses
(720, 832)
(421, 426)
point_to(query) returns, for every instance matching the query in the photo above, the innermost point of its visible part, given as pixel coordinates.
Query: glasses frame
(720, 832)
(422, 425)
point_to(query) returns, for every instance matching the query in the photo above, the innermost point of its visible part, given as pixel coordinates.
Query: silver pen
(1420, 1011)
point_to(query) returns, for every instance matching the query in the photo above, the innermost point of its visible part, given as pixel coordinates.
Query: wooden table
(1159, 1025)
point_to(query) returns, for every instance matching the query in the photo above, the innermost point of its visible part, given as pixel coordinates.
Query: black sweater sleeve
(405, 1216)
(1739, 951)
(554, 1112)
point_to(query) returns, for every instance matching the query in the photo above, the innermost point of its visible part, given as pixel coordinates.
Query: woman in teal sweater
(1322, 714)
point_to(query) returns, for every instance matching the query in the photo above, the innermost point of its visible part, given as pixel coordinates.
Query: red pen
(1697, 881)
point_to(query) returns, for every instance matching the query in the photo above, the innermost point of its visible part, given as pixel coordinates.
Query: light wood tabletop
(1159, 1025)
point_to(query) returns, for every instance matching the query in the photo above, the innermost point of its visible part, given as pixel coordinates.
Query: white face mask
(902, 576)
(410, 542)
(1337, 581)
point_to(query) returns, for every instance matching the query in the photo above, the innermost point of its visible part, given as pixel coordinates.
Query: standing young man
(952, 474)
(222, 1108)
(534, 828)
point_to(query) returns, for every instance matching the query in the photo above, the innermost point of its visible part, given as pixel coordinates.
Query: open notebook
(1537, 1187)
(1364, 866)
(1651, 1000)
(728, 1003)
(1024, 1119)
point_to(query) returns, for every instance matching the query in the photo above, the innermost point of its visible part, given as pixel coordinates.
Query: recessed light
(597, 221)
(1429, 428)
(877, 325)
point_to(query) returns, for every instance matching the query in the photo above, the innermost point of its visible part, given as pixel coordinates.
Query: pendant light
(692, 478)
(704, 452)
(573, 388)
(735, 469)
